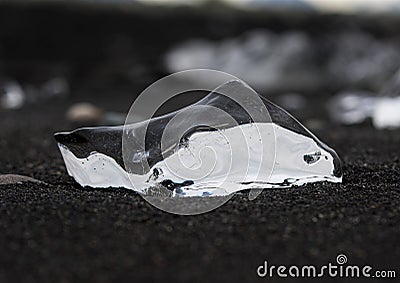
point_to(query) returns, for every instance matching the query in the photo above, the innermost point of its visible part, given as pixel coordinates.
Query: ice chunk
(264, 59)
(14, 96)
(294, 60)
(387, 113)
(198, 164)
(11, 95)
(352, 107)
(387, 109)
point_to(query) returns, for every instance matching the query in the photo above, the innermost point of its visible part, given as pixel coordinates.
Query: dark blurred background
(296, 53)
(290, 51)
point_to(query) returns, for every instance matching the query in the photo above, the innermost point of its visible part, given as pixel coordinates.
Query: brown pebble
(84, 112)
(9, 179)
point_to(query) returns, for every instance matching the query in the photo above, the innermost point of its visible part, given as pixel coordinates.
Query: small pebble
(84, 112)
(9, 179)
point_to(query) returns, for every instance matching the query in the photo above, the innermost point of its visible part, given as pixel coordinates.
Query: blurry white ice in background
(294, 61)
(266, 60)
(273, 151)
(387, 113)
(11, 95)
(359, 59)
(387, 110)
(355, 61)
(352, 107)
(14, 96)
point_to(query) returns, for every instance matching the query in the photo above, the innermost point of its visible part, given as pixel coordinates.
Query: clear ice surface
(199, 163)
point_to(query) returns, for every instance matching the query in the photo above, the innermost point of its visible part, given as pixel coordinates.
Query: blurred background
(324, 61)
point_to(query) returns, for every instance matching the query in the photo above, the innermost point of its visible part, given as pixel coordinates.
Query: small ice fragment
(294, 60)
(14, 96)
(352, 107)
(387, 109)
(387, 113)
(293, 156)
(11, 95)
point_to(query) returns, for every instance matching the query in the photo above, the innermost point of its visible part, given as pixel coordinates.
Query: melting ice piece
(94, 156)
